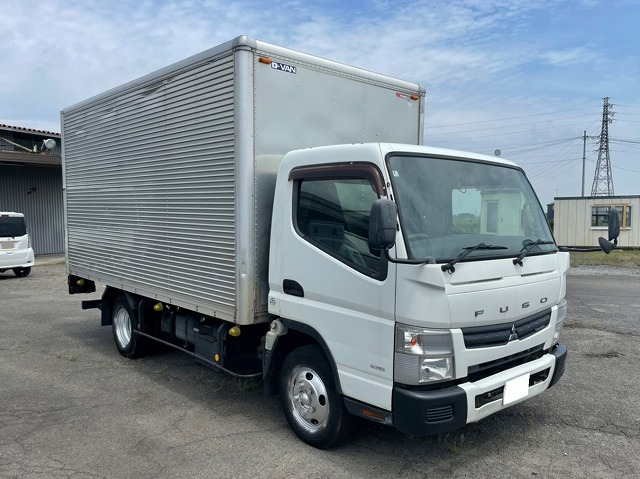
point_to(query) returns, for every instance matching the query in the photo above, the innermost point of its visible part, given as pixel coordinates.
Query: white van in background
(16, 252)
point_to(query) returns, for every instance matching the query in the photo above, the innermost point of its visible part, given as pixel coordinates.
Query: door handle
(293, 288)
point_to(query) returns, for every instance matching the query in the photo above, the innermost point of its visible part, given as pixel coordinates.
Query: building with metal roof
(31, 183)
(579, 221)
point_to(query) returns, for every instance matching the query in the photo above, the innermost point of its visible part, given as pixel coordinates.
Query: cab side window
(333, 214)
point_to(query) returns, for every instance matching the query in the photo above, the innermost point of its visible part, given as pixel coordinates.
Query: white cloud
(479, 59)
(571, 56)
(88, 46)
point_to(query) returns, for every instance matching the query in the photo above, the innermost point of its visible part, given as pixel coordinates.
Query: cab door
(324, 275)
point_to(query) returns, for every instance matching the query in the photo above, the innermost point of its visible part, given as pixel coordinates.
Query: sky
(526, 77)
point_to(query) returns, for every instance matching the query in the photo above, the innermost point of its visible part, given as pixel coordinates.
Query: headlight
(562, 314)
(436, 369)
(422, 355)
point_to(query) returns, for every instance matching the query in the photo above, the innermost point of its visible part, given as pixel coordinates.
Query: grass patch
(620, 258)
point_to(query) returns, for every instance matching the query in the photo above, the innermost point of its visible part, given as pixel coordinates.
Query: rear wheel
(313, 408)
(22, 272)
(129, 344)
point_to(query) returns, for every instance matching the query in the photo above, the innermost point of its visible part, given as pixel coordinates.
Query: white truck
(273, 214)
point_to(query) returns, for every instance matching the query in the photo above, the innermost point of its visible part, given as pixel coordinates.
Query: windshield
(446, 205)
(12, 226)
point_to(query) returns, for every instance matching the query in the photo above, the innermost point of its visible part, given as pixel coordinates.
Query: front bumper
(436, 411)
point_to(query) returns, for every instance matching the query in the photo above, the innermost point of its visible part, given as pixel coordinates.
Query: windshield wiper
(466, 252)
(526, 247)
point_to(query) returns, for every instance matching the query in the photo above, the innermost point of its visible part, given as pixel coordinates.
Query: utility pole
(603, 180)
(584, 157)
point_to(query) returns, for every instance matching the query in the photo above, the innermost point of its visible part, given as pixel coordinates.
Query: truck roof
(436, 151)
(385, 148)
(258, 46)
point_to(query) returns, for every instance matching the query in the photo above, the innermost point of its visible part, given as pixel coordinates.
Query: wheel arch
(298, 334)
(108, 297)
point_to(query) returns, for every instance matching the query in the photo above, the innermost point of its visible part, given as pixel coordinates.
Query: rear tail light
(29, 238)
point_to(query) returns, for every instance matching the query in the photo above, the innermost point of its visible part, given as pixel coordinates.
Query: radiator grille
(500, 334)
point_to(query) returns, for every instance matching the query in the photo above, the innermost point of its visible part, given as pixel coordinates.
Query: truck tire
(313, 408)
(22, 272)
(129, 344)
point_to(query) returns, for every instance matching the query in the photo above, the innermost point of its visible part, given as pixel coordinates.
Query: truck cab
(458, 316)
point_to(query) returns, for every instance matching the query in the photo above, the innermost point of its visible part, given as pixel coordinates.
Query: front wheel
(313, 408)
(129, 344)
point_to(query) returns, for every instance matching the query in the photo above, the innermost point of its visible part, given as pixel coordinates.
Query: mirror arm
(427, 260)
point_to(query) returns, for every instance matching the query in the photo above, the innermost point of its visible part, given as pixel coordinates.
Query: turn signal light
(372, 414)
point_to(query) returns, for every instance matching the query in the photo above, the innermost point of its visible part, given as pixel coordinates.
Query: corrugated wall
(150, 187)
(36, 192)
(572, 221)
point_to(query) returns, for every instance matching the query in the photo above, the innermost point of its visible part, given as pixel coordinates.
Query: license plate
(515, 389)
(7, 245)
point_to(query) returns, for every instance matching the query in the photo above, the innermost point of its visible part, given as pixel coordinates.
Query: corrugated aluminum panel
(36, 192)
(150, 187)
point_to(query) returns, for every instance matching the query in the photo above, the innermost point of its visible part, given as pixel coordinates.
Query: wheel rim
(309, 399)
(122, 323)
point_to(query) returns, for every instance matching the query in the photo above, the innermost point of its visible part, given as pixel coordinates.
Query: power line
(514, 117)
(542, 162)
(548, 143)
(619, 168)
(528, 150)
(622, 140)
(564, 153)
(626, 151)
(564, 160)
(627, 145)
(506, 133)
(548, 174)
(561, 157)
(509, 126)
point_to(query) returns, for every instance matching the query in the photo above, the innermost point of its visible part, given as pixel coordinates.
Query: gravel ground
(72, 407)
(604, 271)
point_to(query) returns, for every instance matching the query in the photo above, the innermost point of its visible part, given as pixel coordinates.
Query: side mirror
(614, 232)
(382, 224)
